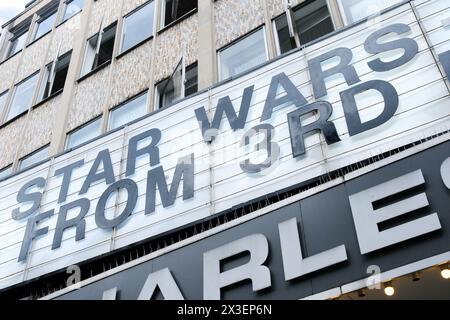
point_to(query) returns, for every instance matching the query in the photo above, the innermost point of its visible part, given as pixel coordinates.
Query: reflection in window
(17, 41)
(45, 22)
(138, 26)
(84, 134)
(23, 97)
(170, 90)
(129, 111)
(55, 76)
(175, 9)
(71, 8)
(35, 157)
(309, 22)
(355, 10)
(5, 172)
(243, 55)
(99, 49)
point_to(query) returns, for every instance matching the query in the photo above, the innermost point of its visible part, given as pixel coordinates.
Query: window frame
(28, 156)
(52, 74)
(3, 109)
(46, 13)
(345, 19)
(6, 169)
(293, 9)
(185, 68)
(125, 103)
(15, 34)
(99, 36)
(64, 10)
(163, 24)
(122, 31)
(219, 51)
(70, 133)
(10, 102)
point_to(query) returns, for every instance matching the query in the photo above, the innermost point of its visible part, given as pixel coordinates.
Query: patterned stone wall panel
(170, 46)
(235, 18)
(90, 98)
(130, 5)
(64, 37)
(8, 71)
(9, 137)
(131, 74)
(108, 10)
(38, 130)
(33, 57)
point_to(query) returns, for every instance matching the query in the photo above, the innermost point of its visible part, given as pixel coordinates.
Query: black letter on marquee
(78, 222)
(445, 61)
(409, 45)
(298, 132)
(107, 173)
(151, 150)
(355, 126)
(31, 233)
(225, 106)
(23, 197)
(293, 95)
(67, 175)
(132, 189)
(318, 75)
(156, 177)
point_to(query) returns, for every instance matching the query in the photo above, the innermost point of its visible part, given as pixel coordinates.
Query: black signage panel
(388, 218)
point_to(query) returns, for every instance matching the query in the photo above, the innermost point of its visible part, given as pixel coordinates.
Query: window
(45, 22)
(309, 22)
(84, 134)
(129, 111)
(71, 8)
(17, 41)
(99, 49)
(175, 9)
(6, 172)
(138, 26)
(355, 10)
(55, 76)
(35, 157)
(23, 97)
(243, 55)
(3, 98)
(170, 90)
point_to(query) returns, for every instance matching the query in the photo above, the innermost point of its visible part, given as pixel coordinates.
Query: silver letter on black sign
(254, 270)
(367, 219)
(294, 264)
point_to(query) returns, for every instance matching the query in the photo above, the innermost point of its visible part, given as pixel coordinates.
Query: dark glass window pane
(312, 21)
(175, 9)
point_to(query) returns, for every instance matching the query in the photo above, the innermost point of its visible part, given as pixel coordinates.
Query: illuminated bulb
(445, 272)
(389, 289)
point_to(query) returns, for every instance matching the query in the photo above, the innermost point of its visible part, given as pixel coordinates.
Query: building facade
(129, 134)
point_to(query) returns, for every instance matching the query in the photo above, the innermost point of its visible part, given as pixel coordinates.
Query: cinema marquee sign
(155, 180)
(278, 255)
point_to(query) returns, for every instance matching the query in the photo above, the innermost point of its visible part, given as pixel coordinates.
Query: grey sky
(9, 8)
